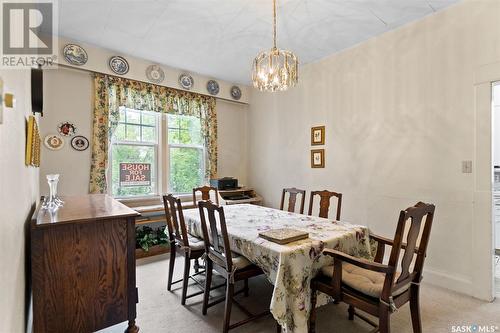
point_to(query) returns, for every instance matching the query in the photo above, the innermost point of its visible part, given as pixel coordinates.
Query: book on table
(283, 235)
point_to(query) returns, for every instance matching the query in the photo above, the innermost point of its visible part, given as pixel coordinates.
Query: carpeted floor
(160, 311)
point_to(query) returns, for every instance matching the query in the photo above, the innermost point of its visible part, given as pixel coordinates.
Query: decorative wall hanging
(8, 100)
(235, 92)
(275, 69)
(318, 135)
(155, 74)
(33, 143)
(66, 129)
(53, 142)
(79, 143)
(75, 54)
(213, 87)
(186, 81)
(317, 158)
(118, 65)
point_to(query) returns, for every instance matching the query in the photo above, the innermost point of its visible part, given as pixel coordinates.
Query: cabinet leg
(132, 328)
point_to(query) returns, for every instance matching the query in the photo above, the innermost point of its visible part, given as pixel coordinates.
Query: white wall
(69, 97)
(18, 195)
(399, 111)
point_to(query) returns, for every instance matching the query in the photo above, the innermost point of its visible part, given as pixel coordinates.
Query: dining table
(289, 267)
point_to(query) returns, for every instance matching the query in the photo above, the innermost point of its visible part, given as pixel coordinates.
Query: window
(186, 152)
(135, 144)
(166, 151)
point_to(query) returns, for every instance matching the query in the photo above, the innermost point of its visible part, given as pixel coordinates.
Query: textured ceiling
(220, 38)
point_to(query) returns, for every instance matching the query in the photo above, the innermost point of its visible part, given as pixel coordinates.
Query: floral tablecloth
(289, 267)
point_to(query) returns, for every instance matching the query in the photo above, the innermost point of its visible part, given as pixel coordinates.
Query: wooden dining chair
(324, 203)
(231, 266)
(205, 194)
(292, 198)
(377, 288)
(190, 247)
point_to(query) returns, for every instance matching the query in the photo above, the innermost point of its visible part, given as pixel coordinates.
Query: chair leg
(185, 279)
(208, 283)
(350, 311)
(229, 303)
(416, 321)
(384, 320)
(196, 266)
(171, 265)
(278, 328)
(246, 287)
(312, 315)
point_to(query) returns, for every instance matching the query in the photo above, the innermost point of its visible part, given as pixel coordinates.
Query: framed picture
(317, 158)
(318, 135)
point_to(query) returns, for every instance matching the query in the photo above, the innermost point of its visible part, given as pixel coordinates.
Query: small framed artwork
(317, 158)
(317, 135)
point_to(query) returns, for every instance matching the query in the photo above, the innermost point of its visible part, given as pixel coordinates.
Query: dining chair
(190, 247)
(377, 288)
(231, 266)
(292, 198)
(324, 203)
(205, 194)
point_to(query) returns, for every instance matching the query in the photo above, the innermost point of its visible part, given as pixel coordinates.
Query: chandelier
(275, 70)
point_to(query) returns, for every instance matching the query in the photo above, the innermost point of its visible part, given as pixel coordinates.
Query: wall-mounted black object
(37, 90)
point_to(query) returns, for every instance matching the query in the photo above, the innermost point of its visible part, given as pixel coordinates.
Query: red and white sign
(135, 174)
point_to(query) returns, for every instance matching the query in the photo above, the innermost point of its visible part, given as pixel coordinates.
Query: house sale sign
(135, 174)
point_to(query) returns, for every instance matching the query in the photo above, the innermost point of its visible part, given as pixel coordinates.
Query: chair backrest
(217, 248)
(415, 217)
(205, 193)
(176, 226)
(324, 203)
(292, 198)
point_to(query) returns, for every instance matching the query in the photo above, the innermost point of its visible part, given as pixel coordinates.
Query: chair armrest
(363, 263)
(390, 242)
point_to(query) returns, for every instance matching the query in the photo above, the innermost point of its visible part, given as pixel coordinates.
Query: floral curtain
(111, 93)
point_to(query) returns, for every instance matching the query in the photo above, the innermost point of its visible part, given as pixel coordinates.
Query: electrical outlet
(466, 166)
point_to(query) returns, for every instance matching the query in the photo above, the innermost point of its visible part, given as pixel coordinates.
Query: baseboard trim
(458, 283)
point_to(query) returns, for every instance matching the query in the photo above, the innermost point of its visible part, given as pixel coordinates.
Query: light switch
(466, 166)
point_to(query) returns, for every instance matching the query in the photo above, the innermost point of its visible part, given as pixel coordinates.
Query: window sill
(155, 200)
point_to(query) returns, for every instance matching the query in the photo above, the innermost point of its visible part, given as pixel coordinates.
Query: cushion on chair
(366, 281)
(196, 243)
(239, 261)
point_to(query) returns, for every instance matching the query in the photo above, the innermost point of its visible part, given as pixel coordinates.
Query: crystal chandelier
(275, 69)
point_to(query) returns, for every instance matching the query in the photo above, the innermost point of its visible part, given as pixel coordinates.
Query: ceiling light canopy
(275, 70)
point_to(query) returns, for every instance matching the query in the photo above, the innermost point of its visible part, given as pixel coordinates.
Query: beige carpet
(160, 311)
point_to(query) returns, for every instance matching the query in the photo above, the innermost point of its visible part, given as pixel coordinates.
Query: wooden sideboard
(83, 265)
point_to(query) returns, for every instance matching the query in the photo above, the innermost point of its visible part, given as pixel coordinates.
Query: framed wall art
(317, 158)
(317, 135)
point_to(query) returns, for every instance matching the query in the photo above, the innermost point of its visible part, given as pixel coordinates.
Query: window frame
(157, 163)
(162, 163)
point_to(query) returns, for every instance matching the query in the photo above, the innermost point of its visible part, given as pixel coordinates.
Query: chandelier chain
(274, 23)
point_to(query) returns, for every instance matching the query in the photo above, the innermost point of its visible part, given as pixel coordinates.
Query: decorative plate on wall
(213, 87)
(235, 92)
(66, 128)
(155, 74)
(118, 65)
(53, 142)
(75, 54)
(79, 143)
(186, 81)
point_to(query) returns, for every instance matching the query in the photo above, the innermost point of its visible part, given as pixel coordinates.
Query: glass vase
(52, 201)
